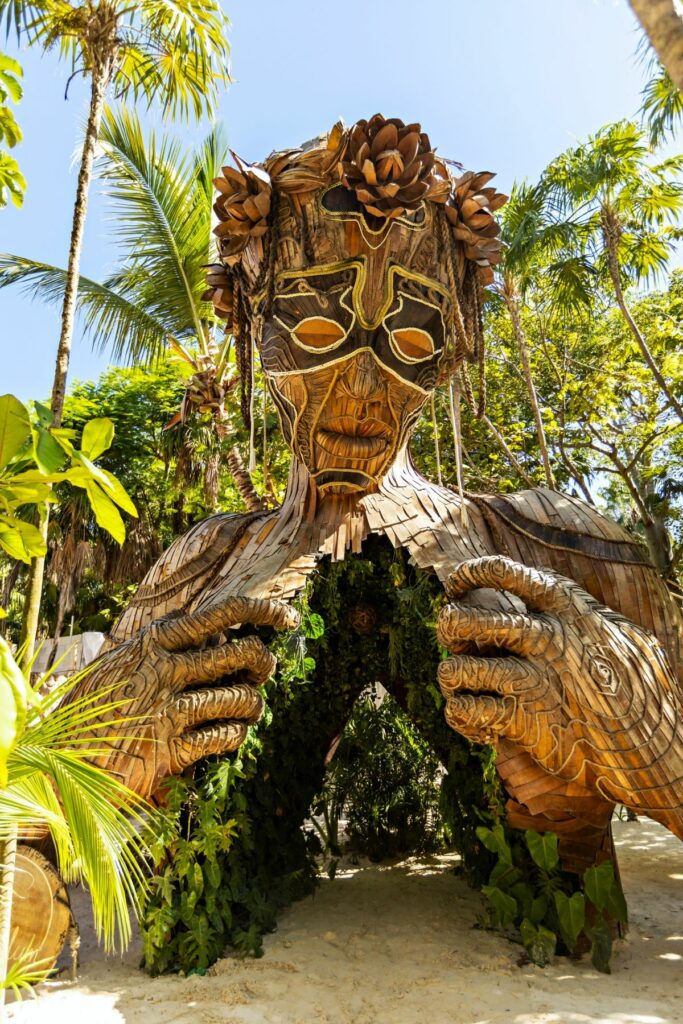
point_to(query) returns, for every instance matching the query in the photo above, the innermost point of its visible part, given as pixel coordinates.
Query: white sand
(397, 945)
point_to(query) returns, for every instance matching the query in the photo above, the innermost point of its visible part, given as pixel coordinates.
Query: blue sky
(503, 85)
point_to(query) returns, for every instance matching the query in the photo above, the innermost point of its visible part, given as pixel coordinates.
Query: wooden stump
(41, 913)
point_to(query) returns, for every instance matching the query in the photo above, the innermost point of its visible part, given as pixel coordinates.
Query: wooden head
(355, 265)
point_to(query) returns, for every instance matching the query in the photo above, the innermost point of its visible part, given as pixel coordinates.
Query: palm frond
(110, 320)
(161, 217)
(662, 108)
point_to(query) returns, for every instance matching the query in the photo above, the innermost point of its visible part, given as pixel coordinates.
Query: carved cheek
(276, 352)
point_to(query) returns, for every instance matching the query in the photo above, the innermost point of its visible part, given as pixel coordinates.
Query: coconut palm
(663, 25)
(48, 784)
(152, 304)
(662, 108)
(520, 215)
(172, 51)
(603, 216)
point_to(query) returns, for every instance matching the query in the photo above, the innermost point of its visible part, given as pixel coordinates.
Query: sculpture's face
(353, 344)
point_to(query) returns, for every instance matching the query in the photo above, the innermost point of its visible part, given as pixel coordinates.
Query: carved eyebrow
(316, 283)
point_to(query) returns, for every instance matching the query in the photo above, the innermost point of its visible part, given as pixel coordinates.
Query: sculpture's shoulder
(561, 522)
(547, 529)
(183, 570)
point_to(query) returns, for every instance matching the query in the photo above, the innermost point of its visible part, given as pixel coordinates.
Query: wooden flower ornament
(242, 207)
(470, 210)
(392, 167)
(219, 291)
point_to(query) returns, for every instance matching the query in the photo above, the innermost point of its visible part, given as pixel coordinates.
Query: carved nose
(363, 379)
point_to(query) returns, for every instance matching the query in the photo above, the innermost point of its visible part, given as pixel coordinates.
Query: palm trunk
(611, 231)
(8, 854)
(663, 26)
(511, 296)
(100, 76)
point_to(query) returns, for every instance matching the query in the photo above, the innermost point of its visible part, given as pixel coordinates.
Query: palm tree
(511, 284)
(662, 108)
(602, 215)
(152, 303)
(171, 51)
(49, 785)
(663, 25)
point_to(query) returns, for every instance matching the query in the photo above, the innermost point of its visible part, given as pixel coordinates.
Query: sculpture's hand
(162, 676)
(589, 695)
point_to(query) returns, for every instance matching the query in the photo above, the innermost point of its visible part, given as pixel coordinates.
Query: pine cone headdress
(242, 207)
(392, 167)
(470, 210)
(219, 291)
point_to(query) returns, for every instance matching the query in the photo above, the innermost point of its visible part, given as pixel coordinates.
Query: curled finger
(196, 707)
(518, 632)
(249, 656)
(539, 589)
(193, 628)
(219, 738)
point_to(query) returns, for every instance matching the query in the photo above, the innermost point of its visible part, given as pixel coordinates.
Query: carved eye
(318, 334)
(412, 344)
(602, 673)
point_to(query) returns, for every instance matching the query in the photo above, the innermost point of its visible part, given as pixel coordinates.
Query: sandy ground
(398, 945)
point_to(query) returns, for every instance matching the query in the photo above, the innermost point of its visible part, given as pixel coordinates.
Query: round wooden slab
(41, 914)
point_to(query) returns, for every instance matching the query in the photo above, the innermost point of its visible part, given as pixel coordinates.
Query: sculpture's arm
(587, 694)
(182, 703)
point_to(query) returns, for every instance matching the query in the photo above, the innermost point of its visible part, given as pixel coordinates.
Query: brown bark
(663, 26)
(611, 231)
(511, 296)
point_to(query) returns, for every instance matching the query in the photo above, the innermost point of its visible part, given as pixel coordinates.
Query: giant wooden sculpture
(355, 267)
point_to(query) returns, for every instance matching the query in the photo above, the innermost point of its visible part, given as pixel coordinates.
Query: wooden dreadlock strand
(466, 382)
(463, 347)
(306, 242)
(437, 445)
(474, 304)
(454, 398)
(273, 243)
(243, 349)
(444, 250)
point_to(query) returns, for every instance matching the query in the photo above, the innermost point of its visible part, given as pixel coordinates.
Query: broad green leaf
(118, 493)
(94, 472)
(616, 903)
(539, 942)
(543, 849)
(571, 911)
(597, 883)
(314, 626)
(20, 539)
(505, 876)
(505, 906)
(495, 841)
(601, 949)
(47, 452)
(106, 513)
(15, 428)
(97, 437)
(14, 494)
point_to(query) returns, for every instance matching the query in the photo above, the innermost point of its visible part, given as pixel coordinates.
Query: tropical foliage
(12, 181)
(48, 786)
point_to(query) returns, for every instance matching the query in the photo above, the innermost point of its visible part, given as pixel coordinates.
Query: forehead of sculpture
(329, 227)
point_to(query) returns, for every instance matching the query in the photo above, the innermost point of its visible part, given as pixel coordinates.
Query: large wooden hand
(162, 676)
(587, 694)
